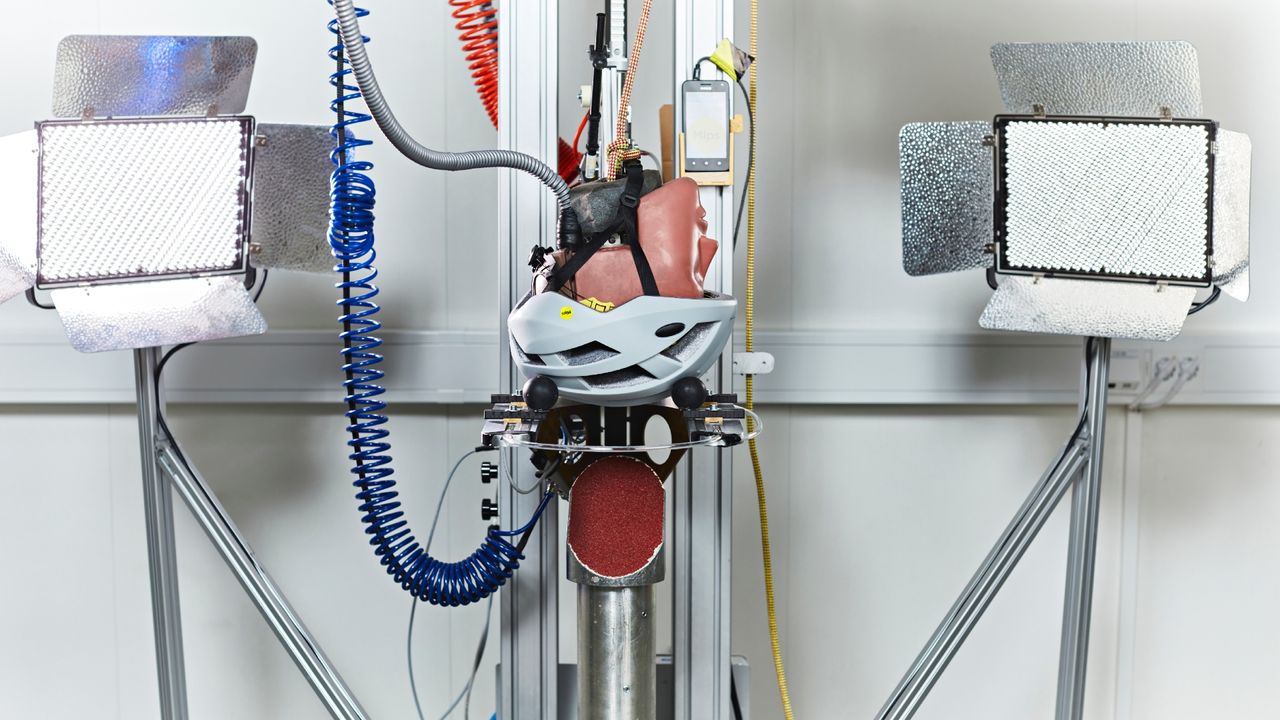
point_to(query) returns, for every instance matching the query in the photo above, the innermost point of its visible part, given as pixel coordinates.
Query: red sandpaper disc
(615, 516)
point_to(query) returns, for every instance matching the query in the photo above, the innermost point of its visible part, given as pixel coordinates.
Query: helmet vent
(688, 345)
(592, 352)
(625, 377)
(525, 357)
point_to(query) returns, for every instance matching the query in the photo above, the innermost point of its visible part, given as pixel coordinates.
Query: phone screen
(706, 126)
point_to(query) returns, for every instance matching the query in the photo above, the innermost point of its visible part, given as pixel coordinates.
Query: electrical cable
(761, 501)
(444, 491)
(733, 696)
(31, 298)
(464, 697)
(1213, 298)
(656, 160)
(475, 666)
(577, 137)
(697, 67)
(751, 160)
(351, 238)
(262, 285)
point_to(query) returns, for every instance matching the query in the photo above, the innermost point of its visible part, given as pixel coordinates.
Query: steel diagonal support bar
(261, 589)
(1082, 458)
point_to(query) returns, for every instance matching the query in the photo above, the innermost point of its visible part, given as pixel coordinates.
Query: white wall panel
(1205, 621)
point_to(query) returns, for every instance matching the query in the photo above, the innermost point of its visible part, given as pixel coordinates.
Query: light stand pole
(162, 462)
(1082, 458)
(1083, 548)
(162, 559)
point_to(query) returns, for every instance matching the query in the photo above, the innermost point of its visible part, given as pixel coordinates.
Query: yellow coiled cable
(766, 554)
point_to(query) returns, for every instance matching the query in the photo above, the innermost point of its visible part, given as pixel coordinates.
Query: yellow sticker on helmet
(566, 313)
(597, 305)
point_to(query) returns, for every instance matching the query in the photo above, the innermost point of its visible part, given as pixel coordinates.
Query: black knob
(488, 509)
(688, 393)
(488, 472)
(541, 393)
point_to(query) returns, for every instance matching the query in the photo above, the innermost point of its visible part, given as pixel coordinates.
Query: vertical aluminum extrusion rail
(528, 603)
(1078, 605)
(1082, 458)
(161, 554)
(160, 464)
(702, 492)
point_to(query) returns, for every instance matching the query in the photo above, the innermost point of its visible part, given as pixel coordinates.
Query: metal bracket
(752, 363)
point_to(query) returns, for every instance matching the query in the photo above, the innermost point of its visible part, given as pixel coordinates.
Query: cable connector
(570, 229)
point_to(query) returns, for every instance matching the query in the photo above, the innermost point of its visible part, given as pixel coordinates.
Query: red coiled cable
(478, 30)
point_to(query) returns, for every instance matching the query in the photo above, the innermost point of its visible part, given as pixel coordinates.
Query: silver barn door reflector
(1104, 178)
(149, 205)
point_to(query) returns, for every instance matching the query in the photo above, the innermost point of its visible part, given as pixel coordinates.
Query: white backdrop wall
(879, 512)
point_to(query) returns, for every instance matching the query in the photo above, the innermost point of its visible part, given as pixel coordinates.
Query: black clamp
(538, 256)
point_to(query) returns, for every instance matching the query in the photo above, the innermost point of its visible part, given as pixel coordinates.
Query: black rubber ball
(688, 393)
(541, 393)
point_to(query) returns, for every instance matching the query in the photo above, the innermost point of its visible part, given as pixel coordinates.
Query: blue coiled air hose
(351, 238)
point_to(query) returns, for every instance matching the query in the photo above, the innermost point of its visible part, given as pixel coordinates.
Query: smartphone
(706, 125)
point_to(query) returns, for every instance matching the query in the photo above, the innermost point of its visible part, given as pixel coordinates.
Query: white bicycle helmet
(631, 355)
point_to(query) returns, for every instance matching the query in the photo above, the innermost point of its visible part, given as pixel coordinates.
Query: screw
(488, 472)
(488, 509)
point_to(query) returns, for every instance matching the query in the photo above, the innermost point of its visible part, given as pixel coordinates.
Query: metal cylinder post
(161, 555)
(1082, 551)
(617, 673)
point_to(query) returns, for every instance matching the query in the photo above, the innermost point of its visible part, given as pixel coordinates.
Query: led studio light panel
(1098, 209)
(142, 198)
(142, 208)
(1118, 199)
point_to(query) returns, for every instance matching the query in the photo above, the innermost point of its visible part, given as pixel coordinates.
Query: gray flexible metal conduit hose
(353, 44)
